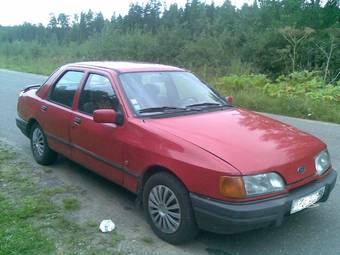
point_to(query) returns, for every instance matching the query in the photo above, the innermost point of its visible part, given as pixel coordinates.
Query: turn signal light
(232, 187)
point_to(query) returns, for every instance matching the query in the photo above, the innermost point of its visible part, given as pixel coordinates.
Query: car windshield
(152, 93)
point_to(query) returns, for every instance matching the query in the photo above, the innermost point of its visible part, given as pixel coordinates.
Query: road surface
(314, 231)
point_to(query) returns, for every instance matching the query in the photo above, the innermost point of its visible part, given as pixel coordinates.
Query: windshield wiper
(204, 104)
(162, 109)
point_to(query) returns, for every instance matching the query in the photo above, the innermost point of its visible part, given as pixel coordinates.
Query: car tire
(168, 209)
(40, 149)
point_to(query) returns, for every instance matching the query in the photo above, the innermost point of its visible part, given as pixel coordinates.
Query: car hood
(250, 142)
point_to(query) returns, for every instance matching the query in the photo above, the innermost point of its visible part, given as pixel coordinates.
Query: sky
(15, 12)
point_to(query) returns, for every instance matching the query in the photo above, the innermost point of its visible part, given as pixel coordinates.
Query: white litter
(106, 226)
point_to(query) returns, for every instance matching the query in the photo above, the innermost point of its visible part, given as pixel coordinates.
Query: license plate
(306, 201)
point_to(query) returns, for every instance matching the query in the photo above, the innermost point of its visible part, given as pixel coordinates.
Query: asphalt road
(313, 231)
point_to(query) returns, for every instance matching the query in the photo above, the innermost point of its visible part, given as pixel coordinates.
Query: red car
(194, 160)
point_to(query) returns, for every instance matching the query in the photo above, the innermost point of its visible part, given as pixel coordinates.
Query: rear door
(56, 111)
(98, 146)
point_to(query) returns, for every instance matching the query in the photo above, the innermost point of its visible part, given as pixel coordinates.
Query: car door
(97, 145)
(56, 111)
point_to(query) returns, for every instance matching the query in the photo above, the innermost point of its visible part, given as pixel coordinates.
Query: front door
(97, 145)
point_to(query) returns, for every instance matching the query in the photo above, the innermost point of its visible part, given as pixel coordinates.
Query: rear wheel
(40, 150)
(168, 209)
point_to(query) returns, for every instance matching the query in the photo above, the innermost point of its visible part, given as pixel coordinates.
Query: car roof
(125, 67)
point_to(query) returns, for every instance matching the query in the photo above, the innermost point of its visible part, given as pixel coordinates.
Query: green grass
(6, 154)
(37, 66)
(91, 223)
(116, 238)
(147, 239)
(301, 107)
(71, 203)
(22, 58)
(33, 222)
(18, 232)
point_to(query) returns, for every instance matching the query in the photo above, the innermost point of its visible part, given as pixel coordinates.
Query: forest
(279, 56)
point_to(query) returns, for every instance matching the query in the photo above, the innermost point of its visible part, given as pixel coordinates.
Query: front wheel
(41, 152)
(168, 209)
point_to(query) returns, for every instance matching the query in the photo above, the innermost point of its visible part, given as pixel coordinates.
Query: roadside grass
(300, 107)
(147, 240)
(116, 238)
(92, 223)
(32, 222)
(71, 203)
(43, 66)
(18, 233)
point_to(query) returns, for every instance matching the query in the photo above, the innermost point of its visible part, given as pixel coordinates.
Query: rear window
(64, 90)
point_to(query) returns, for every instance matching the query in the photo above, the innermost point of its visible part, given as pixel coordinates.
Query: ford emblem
(301, 170)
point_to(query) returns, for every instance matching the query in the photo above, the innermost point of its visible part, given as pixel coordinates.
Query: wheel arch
(30, 124)
(152, 170)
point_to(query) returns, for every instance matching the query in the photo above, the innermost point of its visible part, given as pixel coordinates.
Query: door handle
(43, 108)
(76, 121)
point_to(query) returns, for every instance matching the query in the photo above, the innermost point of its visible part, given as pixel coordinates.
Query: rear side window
(64, 90)
(97, 94)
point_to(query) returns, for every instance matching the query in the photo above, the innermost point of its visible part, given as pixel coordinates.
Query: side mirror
(106, 116)
(229, 99)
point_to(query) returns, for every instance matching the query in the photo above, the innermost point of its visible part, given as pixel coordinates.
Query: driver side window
(97, 94)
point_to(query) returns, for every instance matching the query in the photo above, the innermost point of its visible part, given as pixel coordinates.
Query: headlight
(241, 187)
(322, 162)
(263, 183)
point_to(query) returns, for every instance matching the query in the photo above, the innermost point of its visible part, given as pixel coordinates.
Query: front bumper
(227, 218)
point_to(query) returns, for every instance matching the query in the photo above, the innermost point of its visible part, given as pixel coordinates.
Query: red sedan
(194, 160)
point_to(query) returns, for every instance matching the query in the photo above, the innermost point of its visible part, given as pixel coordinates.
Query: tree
(63, 21)
(327, 48)
(52, 24)
(98, 22)
(83, 32)
(151, 14)
(295, 37)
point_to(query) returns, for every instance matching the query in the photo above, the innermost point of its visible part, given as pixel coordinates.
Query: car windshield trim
(166, 110)
(204, 105)
(161, 109)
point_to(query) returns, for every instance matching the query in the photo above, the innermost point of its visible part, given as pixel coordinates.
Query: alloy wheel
(164, 209)
(38, 142)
